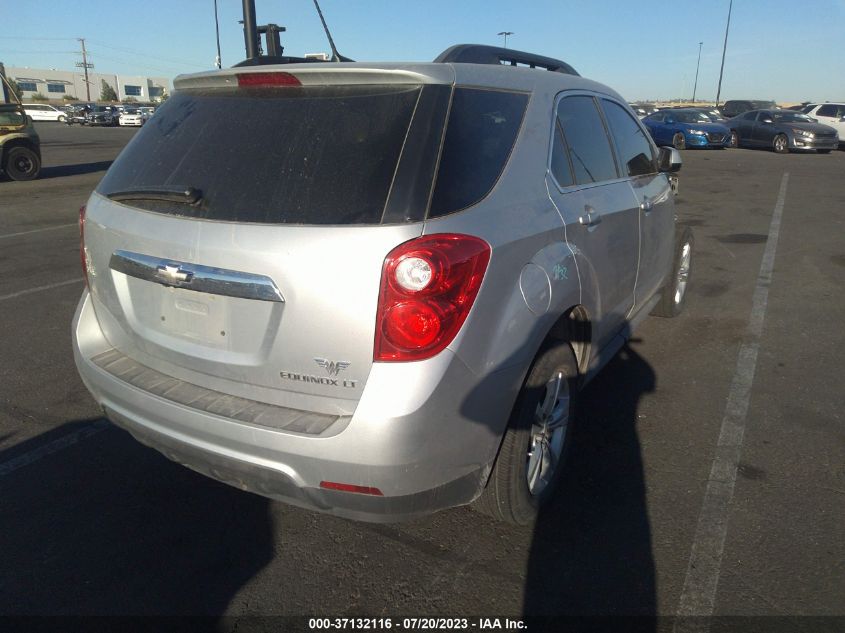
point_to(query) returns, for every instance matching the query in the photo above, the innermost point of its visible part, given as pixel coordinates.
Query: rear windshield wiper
(164, 193)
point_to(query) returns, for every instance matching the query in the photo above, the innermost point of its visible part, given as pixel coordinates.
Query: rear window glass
(303, 155)
(483, 126)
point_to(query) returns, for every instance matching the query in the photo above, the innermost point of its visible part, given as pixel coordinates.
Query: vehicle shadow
(61, 171)
(103, 526)
(591, 552)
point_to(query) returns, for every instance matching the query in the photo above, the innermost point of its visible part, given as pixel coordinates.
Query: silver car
(375, 290)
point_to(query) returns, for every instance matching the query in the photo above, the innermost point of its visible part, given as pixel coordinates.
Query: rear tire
(533, 452)
(61, 119)
(674, 293)
(21, 163)
(678, 141)
(781, 144)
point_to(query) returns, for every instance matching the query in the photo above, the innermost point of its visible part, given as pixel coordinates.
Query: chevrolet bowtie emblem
(173, 273)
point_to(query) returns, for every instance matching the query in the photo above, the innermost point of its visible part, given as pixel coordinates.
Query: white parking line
(49, 228)
(699, 594)
(53, 447)
(28, 291)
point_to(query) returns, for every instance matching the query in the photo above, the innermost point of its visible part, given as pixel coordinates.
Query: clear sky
(786, 50)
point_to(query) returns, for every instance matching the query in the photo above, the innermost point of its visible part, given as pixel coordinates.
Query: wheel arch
(19, 141)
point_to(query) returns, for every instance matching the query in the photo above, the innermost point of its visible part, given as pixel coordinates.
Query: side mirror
(669, 160)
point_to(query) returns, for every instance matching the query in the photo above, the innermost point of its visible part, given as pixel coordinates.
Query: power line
(42, 52)
(179, 62)
(18, 37)
(128, 62)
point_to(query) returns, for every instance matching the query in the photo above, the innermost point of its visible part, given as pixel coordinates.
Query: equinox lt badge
(332, 367)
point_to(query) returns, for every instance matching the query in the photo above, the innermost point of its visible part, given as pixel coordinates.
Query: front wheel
(781, 144)
(533, 452)
(61, 119)
(22, 164)
(674, 293)
(734, 142)
(678, 141)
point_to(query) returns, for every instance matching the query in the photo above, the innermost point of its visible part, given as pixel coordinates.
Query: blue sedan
(684, 128)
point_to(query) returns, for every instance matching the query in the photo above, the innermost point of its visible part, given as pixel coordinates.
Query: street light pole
(506, 33)
(724, 48)
(218, 61)
(695, 86)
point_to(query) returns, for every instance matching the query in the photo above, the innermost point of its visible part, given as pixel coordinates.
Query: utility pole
(724, 48)
(506, 33)
(695, 86)
(85, 66)
(218, 61)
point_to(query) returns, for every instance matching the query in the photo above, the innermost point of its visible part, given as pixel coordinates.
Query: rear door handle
(590, 219)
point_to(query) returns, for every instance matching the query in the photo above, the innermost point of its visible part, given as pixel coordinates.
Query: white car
(832, 114)
(133, 117)
(43, 112)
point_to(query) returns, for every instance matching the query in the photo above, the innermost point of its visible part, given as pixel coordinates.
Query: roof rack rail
(481, 54)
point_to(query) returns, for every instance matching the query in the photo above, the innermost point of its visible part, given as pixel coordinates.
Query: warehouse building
(64, 84)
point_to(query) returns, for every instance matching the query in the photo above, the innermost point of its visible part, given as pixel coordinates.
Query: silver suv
(375, 290)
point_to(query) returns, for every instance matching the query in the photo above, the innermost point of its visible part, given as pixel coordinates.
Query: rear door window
(634, 150)
(589, 148)
(561, 169)
(299, 155)
(827, 110)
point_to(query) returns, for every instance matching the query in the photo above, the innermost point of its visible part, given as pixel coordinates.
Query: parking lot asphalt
(95, 523)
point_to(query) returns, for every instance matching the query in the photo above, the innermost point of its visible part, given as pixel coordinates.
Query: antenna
(336, 57)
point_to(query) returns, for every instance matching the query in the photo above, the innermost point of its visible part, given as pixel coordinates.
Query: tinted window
(829, 109)
(560, 161)
(307, 155)
(634, 149)
(763, 115)
(691, 117)
(788, 116)
(482, 128)
(657, 116)
(749, 115)
(589, 150)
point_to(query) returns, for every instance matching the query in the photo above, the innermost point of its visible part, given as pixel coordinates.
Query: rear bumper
(425, 450)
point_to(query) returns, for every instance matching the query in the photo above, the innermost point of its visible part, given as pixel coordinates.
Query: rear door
(744, 126)
(599, 209)
(238, 240)
(764, 133)
(638, 161)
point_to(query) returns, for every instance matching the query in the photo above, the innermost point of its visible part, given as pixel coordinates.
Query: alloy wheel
(548, 434)
(683, 273)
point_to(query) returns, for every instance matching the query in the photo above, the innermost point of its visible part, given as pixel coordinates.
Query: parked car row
(90, 114)
(768, 127)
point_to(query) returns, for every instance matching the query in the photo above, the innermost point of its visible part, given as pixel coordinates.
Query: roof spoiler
(481, 54)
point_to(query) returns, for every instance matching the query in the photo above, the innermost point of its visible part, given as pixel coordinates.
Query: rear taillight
(82, 255)
(428, 286)
(261, 80)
